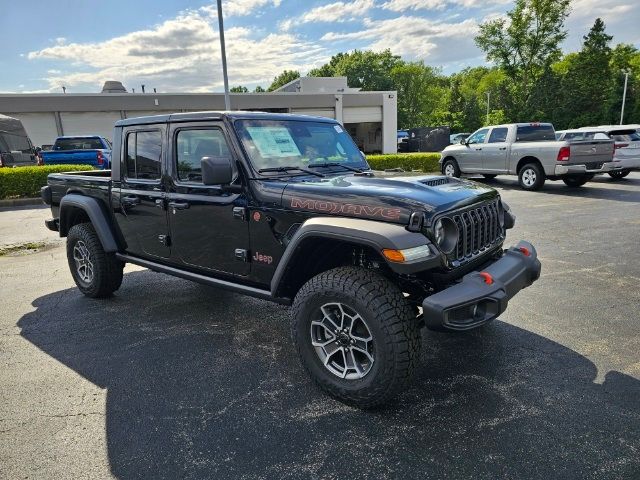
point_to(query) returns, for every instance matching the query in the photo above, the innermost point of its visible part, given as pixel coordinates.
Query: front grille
(478, 231)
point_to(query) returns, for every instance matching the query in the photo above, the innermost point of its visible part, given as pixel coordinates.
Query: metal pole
(488, 100)
(624, 96)
(227, 100)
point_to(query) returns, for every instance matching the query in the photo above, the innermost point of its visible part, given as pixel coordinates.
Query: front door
(471, 158)
(494, 158)
(208, 227)
(142, 217)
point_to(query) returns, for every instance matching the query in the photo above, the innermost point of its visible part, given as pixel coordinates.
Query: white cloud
(417, 38)
(244, 7)
(181, 54)
(404, 5)
(337, 11)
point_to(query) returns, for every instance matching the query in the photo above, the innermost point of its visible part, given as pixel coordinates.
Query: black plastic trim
(99, 219)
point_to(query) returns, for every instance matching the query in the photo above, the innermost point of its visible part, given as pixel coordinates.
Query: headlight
(446, 234)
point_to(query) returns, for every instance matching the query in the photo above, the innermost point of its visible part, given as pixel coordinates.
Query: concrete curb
(20, 202)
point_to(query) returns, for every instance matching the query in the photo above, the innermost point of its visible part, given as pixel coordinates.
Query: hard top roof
(214, 115)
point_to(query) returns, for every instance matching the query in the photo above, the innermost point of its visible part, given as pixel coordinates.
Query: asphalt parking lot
(170, 379)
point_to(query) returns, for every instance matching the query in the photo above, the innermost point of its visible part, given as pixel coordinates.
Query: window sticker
(273, 141)
(337, 128)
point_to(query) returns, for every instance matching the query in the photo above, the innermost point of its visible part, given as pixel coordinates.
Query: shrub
(425, 162)
(26, 181)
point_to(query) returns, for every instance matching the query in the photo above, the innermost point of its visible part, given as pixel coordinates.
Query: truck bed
(95, 183)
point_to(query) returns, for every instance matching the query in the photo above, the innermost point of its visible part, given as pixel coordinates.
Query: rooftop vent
(113, 86)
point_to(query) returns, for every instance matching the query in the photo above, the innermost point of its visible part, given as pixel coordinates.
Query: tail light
(621, 145)
(564, 154)
(100, 158)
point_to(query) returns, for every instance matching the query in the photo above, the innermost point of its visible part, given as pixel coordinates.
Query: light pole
(227, 100)
(624, 94)
(488, 101)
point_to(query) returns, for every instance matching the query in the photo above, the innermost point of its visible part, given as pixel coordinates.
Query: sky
(173, 45)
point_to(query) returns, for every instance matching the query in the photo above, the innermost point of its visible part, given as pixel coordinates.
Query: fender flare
(94, 210)
(370, 233)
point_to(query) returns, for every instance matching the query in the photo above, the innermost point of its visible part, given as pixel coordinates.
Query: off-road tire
(454, 167)
(575, 181)
(390, 319)
(619, 174)
(107, 269)
(540, 178)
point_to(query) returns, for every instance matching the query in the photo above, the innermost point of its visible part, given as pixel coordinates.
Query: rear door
(209, 228)
(470, 158)
(142, 192)
(494, 158)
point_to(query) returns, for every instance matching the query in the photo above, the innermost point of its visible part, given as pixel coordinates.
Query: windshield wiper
(286, 169)
(335, 164)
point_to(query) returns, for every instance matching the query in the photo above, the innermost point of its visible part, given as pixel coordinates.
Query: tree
(586, 88)
(421, 93)
(259, 89)
(364, 69)
(239, 89)
(525, 44)
(285, 77)
(624, 58)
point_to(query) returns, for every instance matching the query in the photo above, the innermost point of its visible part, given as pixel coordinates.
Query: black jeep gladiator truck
(285, 208)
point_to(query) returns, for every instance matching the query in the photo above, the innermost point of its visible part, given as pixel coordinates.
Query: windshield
(535, 133)
(293, 143)
(78, 144)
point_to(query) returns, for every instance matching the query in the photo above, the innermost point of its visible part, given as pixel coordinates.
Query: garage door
(89, 123)
(316, 112)
(361, 114)
(41, 127)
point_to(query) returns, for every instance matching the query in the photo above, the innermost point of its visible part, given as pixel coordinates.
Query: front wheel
(531, 176)
(96, 273)
(576, 180)
(618, 174)
(356, 335)
(450, 168)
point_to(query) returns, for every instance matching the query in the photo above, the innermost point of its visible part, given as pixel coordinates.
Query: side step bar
(196, 277)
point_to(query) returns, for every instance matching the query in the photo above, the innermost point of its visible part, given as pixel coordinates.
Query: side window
(498, 135)
(479, 136)
(143, 157)
(192, 145)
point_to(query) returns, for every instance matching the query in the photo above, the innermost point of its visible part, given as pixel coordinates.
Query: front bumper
(474, 301)
(583, 170)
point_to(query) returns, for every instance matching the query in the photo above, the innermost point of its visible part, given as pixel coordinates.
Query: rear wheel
(531, 176)
(576, 180)
(450, 168)
(356, 335)
(618, 174)
(96, 273)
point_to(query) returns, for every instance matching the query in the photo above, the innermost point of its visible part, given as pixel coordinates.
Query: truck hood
(383, 197)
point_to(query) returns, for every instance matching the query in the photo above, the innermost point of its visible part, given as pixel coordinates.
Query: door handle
(478, 149)
(178, 205)
(502, 148)
(130, 201)
(160, 204)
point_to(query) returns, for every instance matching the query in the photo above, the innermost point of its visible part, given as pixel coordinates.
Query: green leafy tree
(524, 45)
(624, 58)
(586, 88)
(239, 89)
(285, 77)
(259, 89)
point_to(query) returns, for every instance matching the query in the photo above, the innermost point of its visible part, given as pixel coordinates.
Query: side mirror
(216, 170)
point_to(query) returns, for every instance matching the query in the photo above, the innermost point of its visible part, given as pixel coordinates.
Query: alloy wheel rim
(449, 170)
(529, 177)
(342, 341)
(82, 258)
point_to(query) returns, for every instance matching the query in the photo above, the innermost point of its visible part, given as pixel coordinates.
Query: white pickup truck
(530, 151)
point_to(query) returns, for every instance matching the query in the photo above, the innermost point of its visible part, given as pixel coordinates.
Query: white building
(370, 117)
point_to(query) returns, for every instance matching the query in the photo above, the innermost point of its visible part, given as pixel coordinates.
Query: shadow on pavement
(596, 188)
(203, 383)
